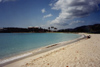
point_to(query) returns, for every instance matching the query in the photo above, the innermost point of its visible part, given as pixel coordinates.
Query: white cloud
(50, 4)
(74, 9)
(6, 0)
(0, 0)
(75, 22)
(46, 16)
(43, 10)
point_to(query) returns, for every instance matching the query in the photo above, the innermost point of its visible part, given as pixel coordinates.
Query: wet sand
(83, 53)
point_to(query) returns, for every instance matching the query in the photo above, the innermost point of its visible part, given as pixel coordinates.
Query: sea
(15, 43)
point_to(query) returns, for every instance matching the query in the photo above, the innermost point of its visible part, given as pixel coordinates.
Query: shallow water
(15, 43)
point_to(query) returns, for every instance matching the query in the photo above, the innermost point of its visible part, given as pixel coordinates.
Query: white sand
(84, 53)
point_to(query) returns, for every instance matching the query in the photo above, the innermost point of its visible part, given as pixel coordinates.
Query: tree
(49, 29)
(52, 27)
(55, 29)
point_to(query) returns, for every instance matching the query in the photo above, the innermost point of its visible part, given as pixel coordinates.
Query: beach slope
(83, 53)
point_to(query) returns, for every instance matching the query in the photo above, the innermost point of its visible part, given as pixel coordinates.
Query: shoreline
(39, 51)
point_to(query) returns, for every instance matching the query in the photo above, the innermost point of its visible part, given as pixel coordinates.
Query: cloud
(60, 24)
(67, 24)
(46, 16)
(0, 0)
(6, 0)
(50, 4)
(43, 10)
(74, 9)
(76, 22)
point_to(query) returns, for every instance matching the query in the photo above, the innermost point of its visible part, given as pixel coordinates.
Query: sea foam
(14, 58)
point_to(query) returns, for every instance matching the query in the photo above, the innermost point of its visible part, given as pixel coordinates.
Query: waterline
(41, 50)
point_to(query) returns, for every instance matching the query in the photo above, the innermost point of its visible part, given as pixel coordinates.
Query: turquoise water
(15, 43)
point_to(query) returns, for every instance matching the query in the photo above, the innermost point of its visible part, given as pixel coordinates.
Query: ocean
(15, 43)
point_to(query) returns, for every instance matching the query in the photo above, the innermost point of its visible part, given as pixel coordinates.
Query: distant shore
(82, 53)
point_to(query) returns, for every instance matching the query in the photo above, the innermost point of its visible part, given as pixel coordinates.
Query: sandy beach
(83, 53)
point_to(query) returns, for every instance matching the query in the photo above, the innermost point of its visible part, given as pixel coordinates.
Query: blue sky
(45, 13)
